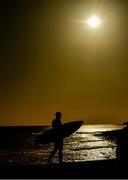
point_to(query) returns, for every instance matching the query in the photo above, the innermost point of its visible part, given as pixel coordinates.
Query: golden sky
(51, 61)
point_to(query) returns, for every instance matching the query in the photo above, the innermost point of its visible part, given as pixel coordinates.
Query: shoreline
(88, 169)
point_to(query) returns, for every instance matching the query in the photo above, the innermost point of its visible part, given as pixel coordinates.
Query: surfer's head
(58, 115)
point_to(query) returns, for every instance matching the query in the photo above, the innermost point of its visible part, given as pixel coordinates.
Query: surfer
(58, 143)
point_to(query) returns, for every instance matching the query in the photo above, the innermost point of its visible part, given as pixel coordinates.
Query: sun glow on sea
(100, 128)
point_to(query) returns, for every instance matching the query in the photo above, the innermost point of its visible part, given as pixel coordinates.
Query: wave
(91, 148)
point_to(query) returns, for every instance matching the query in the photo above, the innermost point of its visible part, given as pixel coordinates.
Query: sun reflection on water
(99, 128)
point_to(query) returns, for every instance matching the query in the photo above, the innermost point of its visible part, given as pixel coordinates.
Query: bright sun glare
(93, 21)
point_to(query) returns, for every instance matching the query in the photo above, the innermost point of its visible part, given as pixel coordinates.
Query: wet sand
(89, 169)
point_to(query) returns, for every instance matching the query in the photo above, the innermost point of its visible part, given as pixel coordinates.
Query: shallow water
(86, 144)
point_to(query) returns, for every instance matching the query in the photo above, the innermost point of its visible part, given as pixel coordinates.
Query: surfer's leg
(61, 151)
(53, 152)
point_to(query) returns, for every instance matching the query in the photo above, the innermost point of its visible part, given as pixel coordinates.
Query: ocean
(86, 144)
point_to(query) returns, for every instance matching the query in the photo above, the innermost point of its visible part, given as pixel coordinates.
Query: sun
(93, 21)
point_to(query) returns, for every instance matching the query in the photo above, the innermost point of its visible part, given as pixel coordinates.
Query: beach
(91, 169)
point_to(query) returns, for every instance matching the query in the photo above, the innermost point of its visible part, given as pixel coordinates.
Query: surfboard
(64, 131)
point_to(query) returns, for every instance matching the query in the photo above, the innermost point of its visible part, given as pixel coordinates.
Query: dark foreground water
(86, 144)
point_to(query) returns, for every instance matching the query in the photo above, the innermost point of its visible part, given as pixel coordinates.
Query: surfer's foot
(61, 162)
(49, 161)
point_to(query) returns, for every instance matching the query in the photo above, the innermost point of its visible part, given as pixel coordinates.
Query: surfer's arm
(53, 124)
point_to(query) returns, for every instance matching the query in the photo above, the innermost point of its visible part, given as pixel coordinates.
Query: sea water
(86, 144)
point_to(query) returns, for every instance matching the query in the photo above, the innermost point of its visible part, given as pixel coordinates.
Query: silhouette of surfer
(58, 143)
